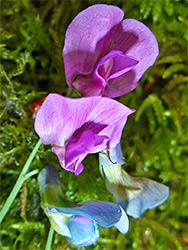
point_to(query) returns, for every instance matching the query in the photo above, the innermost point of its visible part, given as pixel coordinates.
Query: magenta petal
(135, 40)
(88, 86)
(119, 64)
(121, 85)
(77, 166)
(94, 84)
(60, 152)
(113, 65)
(78, 145)
(122, 64)
(99, 139)
(87, 38)
(103, 69)
(106, 69)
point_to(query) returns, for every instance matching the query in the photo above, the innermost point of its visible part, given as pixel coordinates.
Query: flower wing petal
(84, 231)
(78, 145)
(59, 222)
(123, 224)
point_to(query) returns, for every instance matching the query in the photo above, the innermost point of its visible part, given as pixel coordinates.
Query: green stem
(49, 240)
(19, 182)
(28, 175)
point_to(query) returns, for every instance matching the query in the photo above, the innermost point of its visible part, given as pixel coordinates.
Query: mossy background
(154, 140)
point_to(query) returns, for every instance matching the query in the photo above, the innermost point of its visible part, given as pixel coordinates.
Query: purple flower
(134, 194)
(78, 222)
(77, 127)
(104, 55)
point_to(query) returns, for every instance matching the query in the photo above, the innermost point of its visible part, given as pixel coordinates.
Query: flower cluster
(104, 57)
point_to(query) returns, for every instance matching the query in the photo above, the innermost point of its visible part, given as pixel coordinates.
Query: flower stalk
(19, 182)
(50, 238)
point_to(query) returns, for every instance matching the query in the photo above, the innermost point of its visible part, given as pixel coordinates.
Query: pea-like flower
(104, 55)
(134, 194)
(78, 222)
(79, 126)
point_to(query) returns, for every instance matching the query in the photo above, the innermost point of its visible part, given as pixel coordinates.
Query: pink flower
(79, 126)
(104, 55)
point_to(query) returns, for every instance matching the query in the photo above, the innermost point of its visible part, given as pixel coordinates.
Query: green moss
(153, 142)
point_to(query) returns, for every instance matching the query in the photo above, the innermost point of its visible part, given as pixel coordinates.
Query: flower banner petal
(60, 117)
(134, 39)
(152, 195)
(87, 37)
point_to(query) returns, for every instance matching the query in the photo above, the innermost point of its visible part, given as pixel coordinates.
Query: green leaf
(173, 69)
